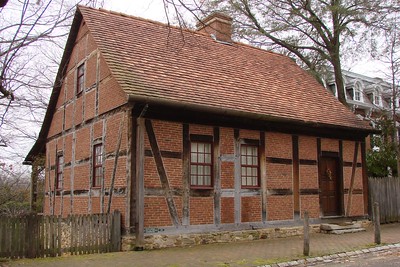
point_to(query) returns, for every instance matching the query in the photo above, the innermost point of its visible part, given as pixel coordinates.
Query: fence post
(306, 231)
(116, 231)
(377, 223)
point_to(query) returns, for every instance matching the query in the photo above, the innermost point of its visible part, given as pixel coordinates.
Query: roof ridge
(177, 28)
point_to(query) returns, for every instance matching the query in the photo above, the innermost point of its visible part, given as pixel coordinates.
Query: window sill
(202, 187)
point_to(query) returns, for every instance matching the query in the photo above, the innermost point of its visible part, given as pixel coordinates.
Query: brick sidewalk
(243, 254)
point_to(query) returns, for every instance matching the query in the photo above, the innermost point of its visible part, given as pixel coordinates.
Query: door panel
(330, 194)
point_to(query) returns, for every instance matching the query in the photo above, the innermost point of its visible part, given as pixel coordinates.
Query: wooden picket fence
(35, 236)
(386, 192)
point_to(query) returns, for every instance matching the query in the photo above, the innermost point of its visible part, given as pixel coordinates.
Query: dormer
(354, 91)
(374, 95)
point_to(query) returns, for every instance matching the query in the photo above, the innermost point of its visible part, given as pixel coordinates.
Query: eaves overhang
(362, 130)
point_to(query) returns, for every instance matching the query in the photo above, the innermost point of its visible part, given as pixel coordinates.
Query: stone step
(346, 231)
(342, 228)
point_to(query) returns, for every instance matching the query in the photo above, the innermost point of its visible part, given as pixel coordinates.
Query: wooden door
(329, 186)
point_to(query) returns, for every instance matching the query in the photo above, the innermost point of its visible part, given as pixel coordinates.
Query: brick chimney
(218, 25)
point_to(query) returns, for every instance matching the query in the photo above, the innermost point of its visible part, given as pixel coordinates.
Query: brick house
(187, 132)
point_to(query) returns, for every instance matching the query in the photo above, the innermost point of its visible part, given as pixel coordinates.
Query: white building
(366, 96)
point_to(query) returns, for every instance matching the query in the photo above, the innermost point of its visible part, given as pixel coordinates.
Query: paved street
(283, 252)
(386, 258)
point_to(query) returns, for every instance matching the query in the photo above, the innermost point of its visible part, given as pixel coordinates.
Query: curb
(329, 258)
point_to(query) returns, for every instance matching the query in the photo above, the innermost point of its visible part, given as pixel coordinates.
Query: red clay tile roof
(151, 60)
(157, 63)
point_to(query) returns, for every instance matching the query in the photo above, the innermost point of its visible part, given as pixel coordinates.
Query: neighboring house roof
(155, 63)
(367, 85)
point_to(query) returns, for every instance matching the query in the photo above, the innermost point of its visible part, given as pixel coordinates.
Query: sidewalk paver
(285, 251)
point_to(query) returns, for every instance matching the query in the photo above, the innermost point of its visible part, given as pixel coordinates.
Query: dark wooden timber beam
(217, 178)
(161, 172)
(186, 174)
(296, 176)
(237, 178)
(263, 174)
(353, 174)
(341, 178)
(364, 177)
(139, 186)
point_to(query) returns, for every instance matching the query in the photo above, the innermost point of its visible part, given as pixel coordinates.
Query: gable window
(201, 164)
(80, 78)
(97, 165)
(332, 88)
(59, 170)
(377, 99)
(390, 102)
(249, 165)
(371, 97)
(357, 95)
(350, 93)
(357, 92)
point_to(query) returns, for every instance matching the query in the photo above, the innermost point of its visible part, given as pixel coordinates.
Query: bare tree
(314, 32)
(32, 37)
(390, 56)
(14, 191)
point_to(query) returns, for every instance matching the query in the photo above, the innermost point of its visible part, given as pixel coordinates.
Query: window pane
(207, 170)
(200, 170)
(193, 157)
(201, 158)
(193, 179)
(200, 180)
(207, 158)
(249, 171)
(207, 180)
(248, 181)
(193, 170)
(200, 147)
(207, 148)
(193, 147)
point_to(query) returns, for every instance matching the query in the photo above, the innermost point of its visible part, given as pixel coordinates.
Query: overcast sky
(154, 10)
(149, 9)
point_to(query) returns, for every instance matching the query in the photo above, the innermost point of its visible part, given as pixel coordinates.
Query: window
(59, 175)
(97, 165)
(80, 78)
(350, 92)
(332, 88)
(201, 164)
(357, 92)
(371, 97)
(249, 165)
(377, 99)
(357, 95)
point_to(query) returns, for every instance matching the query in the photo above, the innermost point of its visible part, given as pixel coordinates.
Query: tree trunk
(340, 87)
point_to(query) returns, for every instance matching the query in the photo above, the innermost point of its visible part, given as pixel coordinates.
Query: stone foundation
(157, 241)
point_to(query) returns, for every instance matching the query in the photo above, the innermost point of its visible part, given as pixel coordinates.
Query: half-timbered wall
(288, 172)
(287, 164)
(96, 115)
